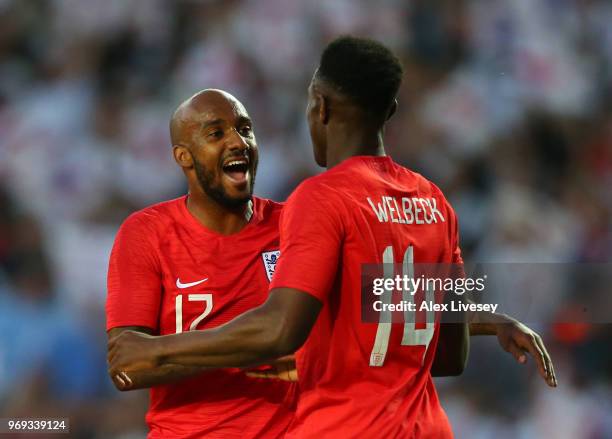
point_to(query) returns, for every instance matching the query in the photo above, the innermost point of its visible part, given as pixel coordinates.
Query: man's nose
(236, 141)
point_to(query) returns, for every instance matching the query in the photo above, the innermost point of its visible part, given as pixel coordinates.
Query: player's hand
(518, 339)
(130, 351)
(282, 369)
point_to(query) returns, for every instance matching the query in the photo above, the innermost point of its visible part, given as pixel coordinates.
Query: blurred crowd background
(506, 105)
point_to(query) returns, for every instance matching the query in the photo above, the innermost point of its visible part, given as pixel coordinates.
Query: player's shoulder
(153, 217)
(423, 185)
(312, 182)
(320, 187)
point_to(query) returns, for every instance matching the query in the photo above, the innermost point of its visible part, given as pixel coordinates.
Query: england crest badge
(270, 259)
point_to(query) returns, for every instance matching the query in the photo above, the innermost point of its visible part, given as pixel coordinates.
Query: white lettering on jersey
(380, 210)
(414, 210)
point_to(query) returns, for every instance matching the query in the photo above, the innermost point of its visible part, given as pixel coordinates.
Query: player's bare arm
(166, 374)
(277, 328)
(515, 338)
(453, 347)
(452, 350)
(282, 369)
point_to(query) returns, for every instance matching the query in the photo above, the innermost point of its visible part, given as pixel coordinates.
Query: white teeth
(237, 162)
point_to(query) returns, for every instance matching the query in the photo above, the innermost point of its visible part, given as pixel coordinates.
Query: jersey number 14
(411, 335)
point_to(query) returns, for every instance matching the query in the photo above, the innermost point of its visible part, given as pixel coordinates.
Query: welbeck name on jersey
(407, 210)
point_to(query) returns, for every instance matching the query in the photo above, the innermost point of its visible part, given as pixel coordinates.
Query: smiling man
(196, 262)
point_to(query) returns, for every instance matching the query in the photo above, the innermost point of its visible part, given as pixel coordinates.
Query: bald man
(197, 262)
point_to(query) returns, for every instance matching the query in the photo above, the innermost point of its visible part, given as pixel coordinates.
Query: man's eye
(246, 130)
(216, 134)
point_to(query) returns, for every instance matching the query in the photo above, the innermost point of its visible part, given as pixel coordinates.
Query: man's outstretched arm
(516, 338)
(513, 336)
(163, 374)
(276, 328)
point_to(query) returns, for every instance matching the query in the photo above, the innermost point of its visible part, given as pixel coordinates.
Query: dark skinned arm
(513, 336)
(453, 344)
(163, 374)
(516, 339)
(452, 350)
(276, 328)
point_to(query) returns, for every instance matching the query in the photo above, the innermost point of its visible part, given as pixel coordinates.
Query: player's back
(366, 379)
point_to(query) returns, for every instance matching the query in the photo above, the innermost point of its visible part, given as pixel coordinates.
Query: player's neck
(218, 218)
(344, 144)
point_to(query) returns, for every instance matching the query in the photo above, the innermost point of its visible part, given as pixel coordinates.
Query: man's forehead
(217, 105)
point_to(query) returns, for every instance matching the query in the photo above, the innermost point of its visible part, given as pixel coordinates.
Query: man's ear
(323, 104)
(182, 156)
(392, 110)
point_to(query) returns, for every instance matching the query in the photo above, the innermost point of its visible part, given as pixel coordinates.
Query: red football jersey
(171, 274)
(364, 380)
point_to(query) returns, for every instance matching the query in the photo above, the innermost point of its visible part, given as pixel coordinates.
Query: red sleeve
(453, 228)
(455, 249)
(134, 278)
(310, 239)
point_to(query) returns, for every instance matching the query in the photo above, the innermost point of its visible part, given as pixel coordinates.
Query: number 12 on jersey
(411, 335)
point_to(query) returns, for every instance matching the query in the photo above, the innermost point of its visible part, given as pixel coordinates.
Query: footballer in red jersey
(362, 380)
(356, 379)
(195, 263)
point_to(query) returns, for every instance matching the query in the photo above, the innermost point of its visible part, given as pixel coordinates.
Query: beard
(216, 191)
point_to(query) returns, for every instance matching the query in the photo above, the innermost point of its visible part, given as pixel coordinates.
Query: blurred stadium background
(507, 106)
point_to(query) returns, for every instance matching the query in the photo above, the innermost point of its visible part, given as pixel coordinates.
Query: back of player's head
(363, 70)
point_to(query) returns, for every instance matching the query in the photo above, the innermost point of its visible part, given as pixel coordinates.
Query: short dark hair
(364, 70)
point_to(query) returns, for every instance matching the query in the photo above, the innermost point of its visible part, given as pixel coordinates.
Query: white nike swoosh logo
(190, 284)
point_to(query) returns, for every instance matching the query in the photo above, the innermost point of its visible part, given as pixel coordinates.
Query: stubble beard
(217, 192)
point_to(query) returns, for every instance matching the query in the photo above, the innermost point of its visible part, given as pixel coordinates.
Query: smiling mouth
(237, 170)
